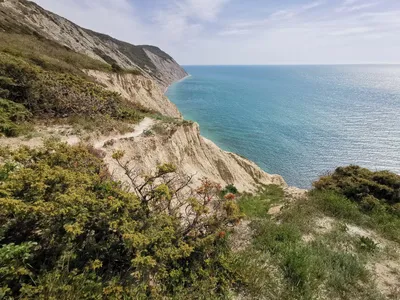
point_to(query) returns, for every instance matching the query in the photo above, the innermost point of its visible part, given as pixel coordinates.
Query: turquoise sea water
(297, 121)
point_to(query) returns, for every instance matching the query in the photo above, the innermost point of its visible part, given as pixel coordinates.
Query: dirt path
(63, 133)
(146, 124)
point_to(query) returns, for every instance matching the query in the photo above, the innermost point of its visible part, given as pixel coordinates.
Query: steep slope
(183, 146)
(21, 16)
(137, 89)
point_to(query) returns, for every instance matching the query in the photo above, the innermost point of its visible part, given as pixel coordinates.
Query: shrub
(12, 118)
(367, 244)
(116, 68)
(69, 231)
(362, 196)
(230, 188)
(356, 183)
(48, 79)
(54, 94)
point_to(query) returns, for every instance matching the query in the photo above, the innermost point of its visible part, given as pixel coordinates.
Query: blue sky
(248, 31)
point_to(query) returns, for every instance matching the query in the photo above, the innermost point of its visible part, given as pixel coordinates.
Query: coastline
(184, 78)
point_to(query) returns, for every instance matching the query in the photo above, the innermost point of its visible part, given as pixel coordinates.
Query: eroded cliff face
(21, 16)
(179, 143)
(183, 146)
(138, 89)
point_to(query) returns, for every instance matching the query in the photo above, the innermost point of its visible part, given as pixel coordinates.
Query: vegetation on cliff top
(48, 80)
(326, 245)
(68, 231)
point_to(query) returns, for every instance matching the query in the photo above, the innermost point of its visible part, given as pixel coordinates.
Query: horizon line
(285, 64)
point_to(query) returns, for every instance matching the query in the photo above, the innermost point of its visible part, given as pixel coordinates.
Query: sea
(298, 121)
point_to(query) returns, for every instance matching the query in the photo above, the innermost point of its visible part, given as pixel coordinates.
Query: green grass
(280, 264)
(171, 120)
(167, 125)
(102, 124)
(257, 206)
(48, 54)
(337, 206)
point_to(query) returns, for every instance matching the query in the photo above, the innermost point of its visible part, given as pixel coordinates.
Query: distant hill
(21, 16)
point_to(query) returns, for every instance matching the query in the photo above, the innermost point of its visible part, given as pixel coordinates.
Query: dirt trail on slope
(146, 124)
(64, 134)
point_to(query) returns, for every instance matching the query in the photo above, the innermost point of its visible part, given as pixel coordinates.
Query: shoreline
(180, 80)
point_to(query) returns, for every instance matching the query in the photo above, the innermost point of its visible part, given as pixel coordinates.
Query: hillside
(106, 192)
(21, 16)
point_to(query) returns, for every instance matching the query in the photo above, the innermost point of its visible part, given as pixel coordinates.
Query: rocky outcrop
(138, 89)
(21, 16)
(169, 68)
(183, 146)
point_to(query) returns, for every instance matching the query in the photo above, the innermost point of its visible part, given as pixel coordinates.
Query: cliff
(138, 89)
(21, 16)
(182, 145)
(169, 139)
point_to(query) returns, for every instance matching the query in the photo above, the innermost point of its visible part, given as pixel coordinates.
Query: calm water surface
(298, 121)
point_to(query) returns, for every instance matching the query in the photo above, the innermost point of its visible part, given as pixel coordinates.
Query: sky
(248, 32)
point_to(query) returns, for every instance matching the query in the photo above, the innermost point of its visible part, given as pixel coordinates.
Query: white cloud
(350, 2)
(283, 14)
(312, 5)
(216, 31)
(355, 5)
(206, 10)
(287, 14)
(114, 17)
(234, 32)
(185, 19)
(352, 31)
(280, 15)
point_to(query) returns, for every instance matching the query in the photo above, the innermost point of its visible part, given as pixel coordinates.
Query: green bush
(230, 189)
(367, 244)
(356, 183)
(295, 269)
(363, 197)
(289, 258)
(58, 95)
(69, 231)
(48, 80)
(54, 94)
(12, 118)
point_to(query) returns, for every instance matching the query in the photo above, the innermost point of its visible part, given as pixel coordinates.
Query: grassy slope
(47, 79)
(310, 251)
